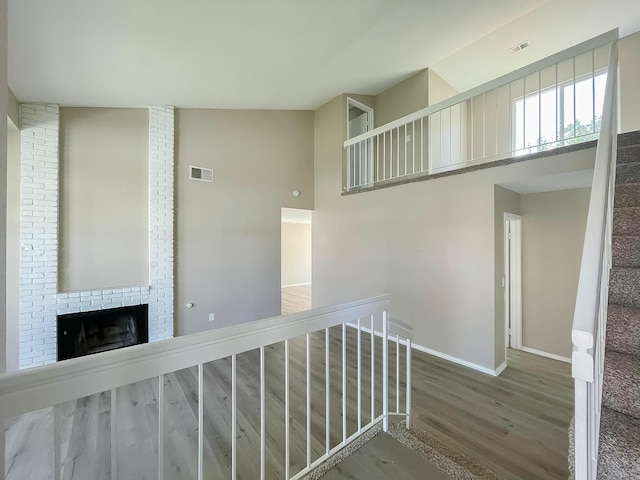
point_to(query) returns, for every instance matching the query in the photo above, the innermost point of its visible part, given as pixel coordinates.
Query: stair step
(626, 221)
(628, 173)
(628, 154)
(621, 387)
(624, 287)
(626, 251)
(623, 330)
(619, 452)
(627, 195)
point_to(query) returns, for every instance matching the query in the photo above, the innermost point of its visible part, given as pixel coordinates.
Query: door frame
(512, 227)
(365, 108)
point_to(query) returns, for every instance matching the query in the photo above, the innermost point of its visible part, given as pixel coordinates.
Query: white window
(568, 113)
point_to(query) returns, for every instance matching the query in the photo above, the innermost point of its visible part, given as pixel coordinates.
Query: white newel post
(40, 300)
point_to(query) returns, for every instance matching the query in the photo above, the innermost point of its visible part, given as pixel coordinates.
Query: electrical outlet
(212, 317)
(407, 138)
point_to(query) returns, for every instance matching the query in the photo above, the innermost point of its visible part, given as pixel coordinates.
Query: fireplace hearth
(86, 333)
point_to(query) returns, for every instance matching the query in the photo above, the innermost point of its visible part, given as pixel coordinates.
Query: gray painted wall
(296, 253)
(104, 198)
(430, 244)
(228, 232)
(553, 229)
(402, 99)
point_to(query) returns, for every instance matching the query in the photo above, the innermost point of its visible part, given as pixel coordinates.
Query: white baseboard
(459, 361)
(444, 356)
(546, 354)
(500, 369)
(296, 285)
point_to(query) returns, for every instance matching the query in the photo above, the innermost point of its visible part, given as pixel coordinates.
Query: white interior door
(513, 280)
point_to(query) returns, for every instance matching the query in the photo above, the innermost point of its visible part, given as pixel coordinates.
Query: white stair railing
(51, 389)
(590, 316)
(548, 104)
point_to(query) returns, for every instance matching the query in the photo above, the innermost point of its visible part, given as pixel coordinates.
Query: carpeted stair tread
(626, 251)
(624, 286)
(628, 173)
(629, 154)
(627, 195)
(621, 387)
(626, 221)
(623, 330)
(619, 452)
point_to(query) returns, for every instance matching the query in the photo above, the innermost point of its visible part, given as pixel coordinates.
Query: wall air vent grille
(202, 174)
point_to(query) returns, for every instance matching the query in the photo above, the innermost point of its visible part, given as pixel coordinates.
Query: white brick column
(38, 234)
(161, 178)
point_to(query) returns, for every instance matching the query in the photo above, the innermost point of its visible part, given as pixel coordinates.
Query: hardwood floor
(296, 299)
(515, 424)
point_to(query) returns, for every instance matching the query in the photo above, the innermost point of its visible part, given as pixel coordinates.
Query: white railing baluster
(574, 97)
(56, 442)
(384, 156)
(408, 394)
(391, 154)
(404, 142)
(359, 377)
(344, 382)
(114, 433)
(422, 144)
(378, 157)
(397, 373)
(593, 90)
(373, 369)
(398, 152)
(234, 418)
(200, 421)
(327, 406)
(286, 408)
(161, 427)
(308, 400)
(413, 147)
(263, 417)
(385, 372)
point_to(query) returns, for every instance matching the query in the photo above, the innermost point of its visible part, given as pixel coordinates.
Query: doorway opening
(295, 271)
(513, 281)
(360, 156)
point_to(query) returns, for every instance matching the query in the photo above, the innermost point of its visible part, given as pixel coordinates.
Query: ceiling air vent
(202, 174)
(520, 46)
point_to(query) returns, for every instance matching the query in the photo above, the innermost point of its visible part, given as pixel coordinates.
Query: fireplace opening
(86, 333)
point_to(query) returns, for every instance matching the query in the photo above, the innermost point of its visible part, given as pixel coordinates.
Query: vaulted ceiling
(282, 54)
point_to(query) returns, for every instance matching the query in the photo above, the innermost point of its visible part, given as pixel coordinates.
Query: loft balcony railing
(265, 399)
(555, 102)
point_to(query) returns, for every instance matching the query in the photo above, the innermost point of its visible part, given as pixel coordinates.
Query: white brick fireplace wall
(40, 301)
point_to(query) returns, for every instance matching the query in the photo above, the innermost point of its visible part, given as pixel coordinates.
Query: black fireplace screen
(86, 333)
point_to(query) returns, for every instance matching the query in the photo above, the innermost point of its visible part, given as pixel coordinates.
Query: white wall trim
(501, 368)
(296, 285)
(546, 354)
(459, 361)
